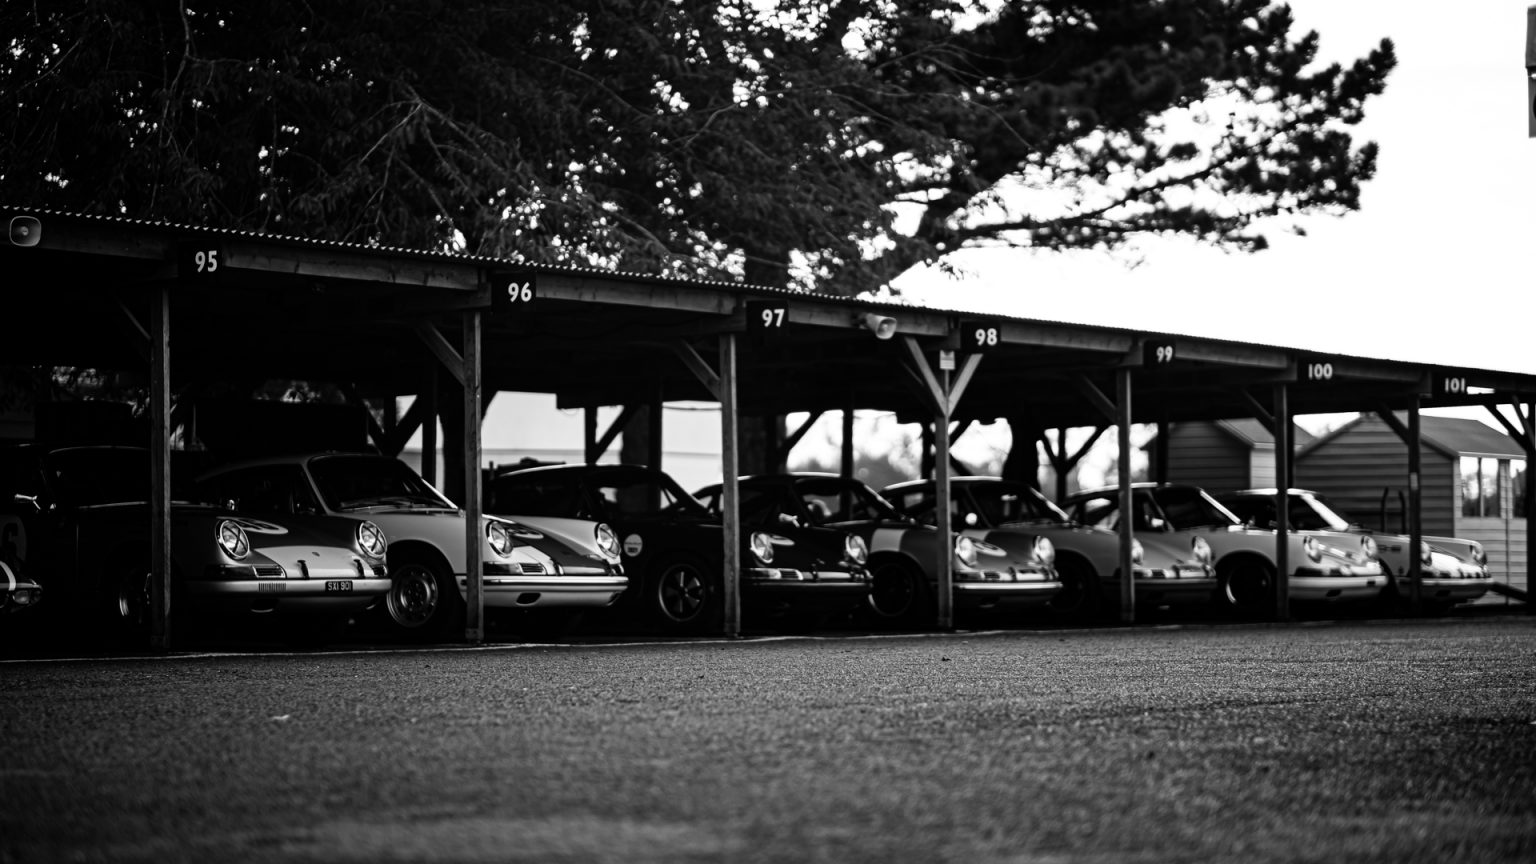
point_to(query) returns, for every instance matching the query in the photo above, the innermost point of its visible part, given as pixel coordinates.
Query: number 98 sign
(977, 336)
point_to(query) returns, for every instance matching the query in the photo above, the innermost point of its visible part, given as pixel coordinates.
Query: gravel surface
(1353, 741)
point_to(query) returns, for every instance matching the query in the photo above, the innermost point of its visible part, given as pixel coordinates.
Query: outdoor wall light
(883, 327)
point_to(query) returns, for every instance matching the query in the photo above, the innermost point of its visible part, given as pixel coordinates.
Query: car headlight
(1201, 549)
(1368, 547)
(232, 539)
(1425, 555)
(1479, 557)
(855, 549)
(1138, 552)
(499, 538)
(965, 551)
(762, 547)
(1313, 549)
(1045, 551)
(370, 539)
(607, 541)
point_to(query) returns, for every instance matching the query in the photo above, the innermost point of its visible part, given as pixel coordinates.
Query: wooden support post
(941, 484)
(1528, 421)
(1415, 514)
(1282, 433)
(847, 444)
(1127, 502)
(429, 429)
(589, 450)
(1160, 451)
(730, 509)
(653, 420)
(161, 599)
(474, 504)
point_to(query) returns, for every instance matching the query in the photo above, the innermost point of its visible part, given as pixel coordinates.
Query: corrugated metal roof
(893, 303)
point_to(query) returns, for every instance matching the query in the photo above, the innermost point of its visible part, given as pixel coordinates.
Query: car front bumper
(566, 591)
(1175, 585)
(314, 595)
(1443, 589)
(1027, 590)
(1334, 585)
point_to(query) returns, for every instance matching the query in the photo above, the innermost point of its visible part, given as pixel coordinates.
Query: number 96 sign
(511, 290)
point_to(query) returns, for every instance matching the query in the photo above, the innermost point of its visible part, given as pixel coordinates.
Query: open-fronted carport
(199, 307)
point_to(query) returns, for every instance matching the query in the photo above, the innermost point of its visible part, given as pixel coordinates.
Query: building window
(1479, 486)
(1517, 486)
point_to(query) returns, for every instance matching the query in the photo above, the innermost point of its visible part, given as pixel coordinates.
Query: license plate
(341, 586)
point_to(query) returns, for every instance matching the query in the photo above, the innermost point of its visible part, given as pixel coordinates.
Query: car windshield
(1304, 512)
(639, 495)
(605, 494)
(835, 499)
(89, 476)
(356, 482)
(1005, 503)
(1312, 512)
(1186, 507)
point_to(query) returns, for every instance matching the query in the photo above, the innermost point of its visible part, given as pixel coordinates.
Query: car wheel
(1249, 587)
(132, 608)
(423, 604)
(1079, 599)
(899, 595)
(683, 596)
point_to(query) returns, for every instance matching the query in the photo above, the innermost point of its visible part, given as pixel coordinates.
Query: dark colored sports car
(673, 546)
(1016, 570)
(80, 526)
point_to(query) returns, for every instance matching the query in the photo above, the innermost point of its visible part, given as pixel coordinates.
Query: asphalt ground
(1324, 741)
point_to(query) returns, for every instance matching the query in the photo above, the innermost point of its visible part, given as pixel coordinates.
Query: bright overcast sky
(1435, 266)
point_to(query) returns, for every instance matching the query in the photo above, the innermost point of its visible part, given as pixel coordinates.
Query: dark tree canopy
(827, 144)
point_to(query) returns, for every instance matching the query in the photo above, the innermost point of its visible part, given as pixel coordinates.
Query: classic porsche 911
(1446, 578)
(1325, 568)
(82, 530)
(523, 569)
(1010, 571)
(16, 594)
(1166, 572)
(674, 548)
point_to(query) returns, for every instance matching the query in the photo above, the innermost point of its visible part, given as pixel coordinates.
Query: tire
(131, 609)
(682, 597)
(899, 595)
(1081, 599)
(1248, 585)
(423, 603)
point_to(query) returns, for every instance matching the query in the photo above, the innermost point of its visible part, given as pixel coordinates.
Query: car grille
(530, 569)
(269, 572)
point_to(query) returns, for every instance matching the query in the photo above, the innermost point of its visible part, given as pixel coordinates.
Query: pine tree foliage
(830, 145)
